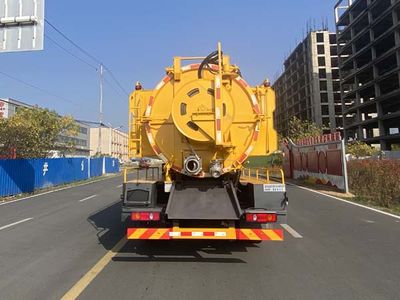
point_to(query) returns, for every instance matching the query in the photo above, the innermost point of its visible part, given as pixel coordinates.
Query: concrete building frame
(368, 35)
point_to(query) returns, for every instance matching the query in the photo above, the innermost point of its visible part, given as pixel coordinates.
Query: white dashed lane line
(56, 190)
(293, 232)
(87, 198)
(15, 223)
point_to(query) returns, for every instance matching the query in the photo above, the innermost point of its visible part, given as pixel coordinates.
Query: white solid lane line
(118, 186)
(87, 198)
(293, 232)
(346, 201)
(15, 223)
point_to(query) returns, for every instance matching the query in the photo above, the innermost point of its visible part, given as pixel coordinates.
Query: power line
(37, 88)
(72, 42)
(116, 81)
(89, 55)
(83, 61)
(70, 53)
(114, 89)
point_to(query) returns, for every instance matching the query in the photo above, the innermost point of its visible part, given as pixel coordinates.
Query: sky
(137, 40)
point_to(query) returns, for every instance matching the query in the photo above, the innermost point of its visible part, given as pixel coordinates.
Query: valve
(192, 165)
(216, 168)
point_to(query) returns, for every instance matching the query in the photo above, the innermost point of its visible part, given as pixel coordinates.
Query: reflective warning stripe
(242, 158)
(148, 133)
(186, 68)
(198, 234)
(190, 67)
(260, 234)
(255, 104)
(156, 149)
(218, 120)
(217, 87)
(149, 107)
(242, 82)
(218, 131)
(163, 157)
(246, 154)
(148, 233)
(163, 82)
(153, 144)
(246, 87)
(205, 233)
(256, 108)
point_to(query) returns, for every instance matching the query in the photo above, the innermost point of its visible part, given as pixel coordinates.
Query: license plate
(274, 188)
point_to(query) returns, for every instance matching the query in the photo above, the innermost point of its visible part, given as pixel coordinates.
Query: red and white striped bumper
(205, 233)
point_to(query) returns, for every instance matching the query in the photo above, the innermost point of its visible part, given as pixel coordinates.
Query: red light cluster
(261, 218)
(145, 216)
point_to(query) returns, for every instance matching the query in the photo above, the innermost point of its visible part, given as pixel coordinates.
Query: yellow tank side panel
(272, 134)
(268, 141)
(139, 145)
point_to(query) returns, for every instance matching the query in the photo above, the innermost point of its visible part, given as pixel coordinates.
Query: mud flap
(203, 203)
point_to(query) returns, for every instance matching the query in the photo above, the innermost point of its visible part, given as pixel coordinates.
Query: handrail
(255, 173)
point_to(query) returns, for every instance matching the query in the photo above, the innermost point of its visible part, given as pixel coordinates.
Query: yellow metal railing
(263, 174)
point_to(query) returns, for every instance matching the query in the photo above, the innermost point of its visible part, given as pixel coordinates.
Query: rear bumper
(249, 234)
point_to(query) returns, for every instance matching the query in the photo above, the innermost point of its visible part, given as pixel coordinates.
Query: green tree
(299, 129)
(360, 149)
(33, 132)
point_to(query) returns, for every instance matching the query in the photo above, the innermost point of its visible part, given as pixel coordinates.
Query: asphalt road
(48, 243)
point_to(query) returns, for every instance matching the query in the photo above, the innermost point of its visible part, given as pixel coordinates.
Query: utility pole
(100, 108)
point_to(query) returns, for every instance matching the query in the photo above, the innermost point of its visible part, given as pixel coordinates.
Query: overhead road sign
(21, 25)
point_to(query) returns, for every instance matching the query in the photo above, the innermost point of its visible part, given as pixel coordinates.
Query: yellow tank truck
(203, 121)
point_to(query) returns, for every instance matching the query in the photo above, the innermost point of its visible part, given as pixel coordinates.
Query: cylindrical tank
(205, 122)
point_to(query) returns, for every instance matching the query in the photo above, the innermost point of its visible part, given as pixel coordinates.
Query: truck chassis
(247, 205)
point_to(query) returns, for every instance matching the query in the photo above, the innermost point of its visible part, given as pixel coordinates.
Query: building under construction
(369, 39)
(309, 87)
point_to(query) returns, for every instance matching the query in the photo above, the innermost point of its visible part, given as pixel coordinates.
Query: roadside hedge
(265, 161)
(375, 181)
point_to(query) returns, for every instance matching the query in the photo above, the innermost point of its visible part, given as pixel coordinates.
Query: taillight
(261, 218)
(145, 216)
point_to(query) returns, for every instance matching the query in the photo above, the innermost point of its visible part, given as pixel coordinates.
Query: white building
(114, 142)
(8, 107)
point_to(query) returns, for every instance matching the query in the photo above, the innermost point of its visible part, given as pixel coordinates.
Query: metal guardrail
(263, 174)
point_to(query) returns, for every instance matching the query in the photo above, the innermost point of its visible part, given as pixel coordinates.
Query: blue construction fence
(19, 176)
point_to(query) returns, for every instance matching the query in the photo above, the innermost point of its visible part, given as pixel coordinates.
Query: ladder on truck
(135, 134)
